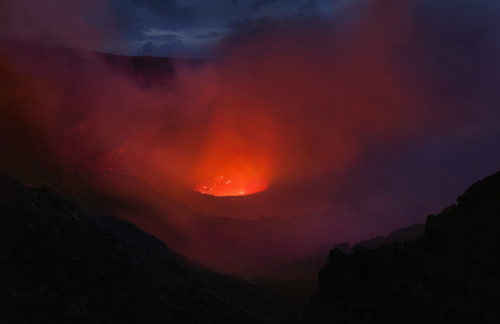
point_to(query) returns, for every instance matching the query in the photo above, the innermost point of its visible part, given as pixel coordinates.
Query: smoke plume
(339, 126)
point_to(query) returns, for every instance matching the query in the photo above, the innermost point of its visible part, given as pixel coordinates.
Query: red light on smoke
(230, 186)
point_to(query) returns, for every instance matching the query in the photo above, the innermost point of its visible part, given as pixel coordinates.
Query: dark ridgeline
(308, 267)
(451, 275)
(62, 265)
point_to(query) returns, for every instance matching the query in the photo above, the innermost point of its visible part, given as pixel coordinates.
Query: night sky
(189, 28)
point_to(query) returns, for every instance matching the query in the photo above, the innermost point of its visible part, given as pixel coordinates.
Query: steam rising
(308, 109)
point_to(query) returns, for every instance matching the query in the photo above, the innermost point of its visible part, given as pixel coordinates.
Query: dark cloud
(207, 35)
(173, 47)
(148, 20)
(136, 16)
(249, 25)
(258, 4)
(161, 37)
(308, 8)
(169, 8)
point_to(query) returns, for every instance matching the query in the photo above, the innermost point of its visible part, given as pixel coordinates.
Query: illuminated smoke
(289, 113)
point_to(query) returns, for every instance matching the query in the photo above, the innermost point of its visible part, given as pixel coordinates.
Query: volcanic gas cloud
(288, 113)
(273, 107)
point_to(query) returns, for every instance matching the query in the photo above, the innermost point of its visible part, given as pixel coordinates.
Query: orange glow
(224, 186)
(225, 171)
(239, 155)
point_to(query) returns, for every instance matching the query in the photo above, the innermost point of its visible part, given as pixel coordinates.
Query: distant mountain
(406, 234)
(62, 265)
(450, 275)
(308, 267)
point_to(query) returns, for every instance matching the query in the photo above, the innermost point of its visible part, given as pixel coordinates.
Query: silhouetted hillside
(62, 265)
(451, 275)
(308, 267)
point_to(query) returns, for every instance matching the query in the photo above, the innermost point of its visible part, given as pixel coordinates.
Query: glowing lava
(238, 157)
(221, 186)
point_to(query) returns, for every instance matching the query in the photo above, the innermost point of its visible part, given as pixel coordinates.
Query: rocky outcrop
(451, 275)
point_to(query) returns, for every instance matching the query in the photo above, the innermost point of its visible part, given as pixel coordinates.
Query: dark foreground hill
(451, 275)
(62, 265)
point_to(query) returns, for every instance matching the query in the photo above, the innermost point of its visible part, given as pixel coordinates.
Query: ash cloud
(359, 124)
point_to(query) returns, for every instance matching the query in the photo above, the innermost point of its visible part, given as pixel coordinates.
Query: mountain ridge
(450, 275)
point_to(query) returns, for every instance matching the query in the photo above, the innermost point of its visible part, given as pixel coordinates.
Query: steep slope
(60, 264)
(451, 275)
(222, 243)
